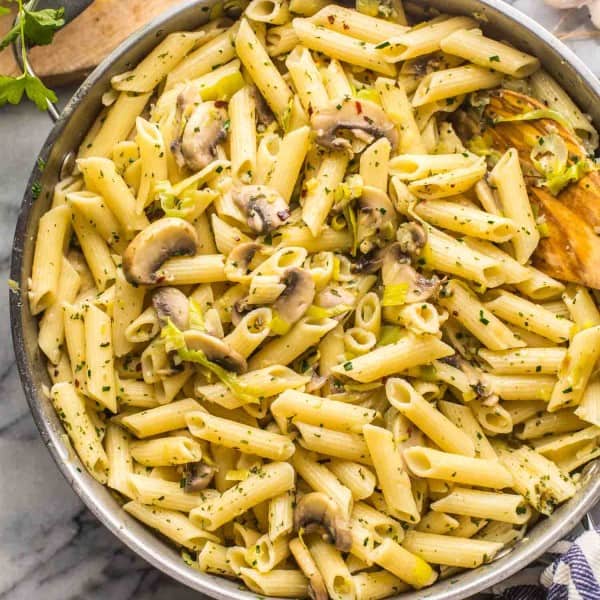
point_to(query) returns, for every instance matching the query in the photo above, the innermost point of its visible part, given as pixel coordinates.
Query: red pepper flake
(346, 26)
(220, 104)
(358, 107)
(331, 19)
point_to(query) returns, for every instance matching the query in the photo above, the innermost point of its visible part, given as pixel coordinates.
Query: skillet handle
(73, 8)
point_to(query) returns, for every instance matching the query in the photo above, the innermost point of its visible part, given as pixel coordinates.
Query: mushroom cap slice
(204, 129)
(297, 296)
(412, 238)
(377, 219)
(396, 269)
(216, 350)
(264, 207)
(197, 476)
(172, 303)
(362, 120)
(158, 242)
(318, 511)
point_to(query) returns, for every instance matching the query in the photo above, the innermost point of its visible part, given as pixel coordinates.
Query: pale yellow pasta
(342, 47)
(403, 396)
(540, 286)
(101, 381)
(466, 308)
(391, 474)
(374, 164)
(561, 421)
(336, 81)
(288, 161)
(184, 270)
(172, 524)
(262, 71)
(424, 39)
(47, 259)
(127, 306)
(357, 24)
(335, 573)
(160, 419)
(409, 567)
(157, 65)
(265, 382)
(581, 307)
(120, 463)
(205, 59)
(314, 410)
(576, 369)
(283, 350)
(321, 479)
(285, 583)
(507, 177)
(269, 481)
(281, 39)
(509, 508)
(92, 208)
(450, 550)
(347, 446)
(242, 116)
(71, 409)
(166, 452)
(115, 125)
(410, 167)
(307, 79)
(483, 472)
(320, 190)
(530, 316)
(281, 515)
(409, 352)
(359, 479)
(250, 440)
(549, 92)
(396, 104)
(467, 220)
(441, 85)
(51, 332)
(100, 176)
(153, 158)
(473, 46)
(524, 361)
(373, 585)
(522, 387)
(443, 185)
(275, 12)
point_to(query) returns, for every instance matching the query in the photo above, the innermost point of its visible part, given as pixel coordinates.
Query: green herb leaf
(40, 25)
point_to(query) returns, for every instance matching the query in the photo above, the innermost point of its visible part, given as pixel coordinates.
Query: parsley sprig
(35, 27)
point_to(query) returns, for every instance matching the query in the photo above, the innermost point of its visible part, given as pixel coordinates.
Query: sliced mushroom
(396, 269)
(368, 263)
(377, 219)
(264, 115)
(412, 238)
(158, 242)
(203, 130)
(239, 261)
(362, 121)
(317, 590)
(297, 296)
(264, 207)
(333, 296)
(317, 511)
(171, 303)
(197, 476)
(216, 350)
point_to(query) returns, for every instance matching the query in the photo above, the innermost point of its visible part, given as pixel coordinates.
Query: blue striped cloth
(574, 574)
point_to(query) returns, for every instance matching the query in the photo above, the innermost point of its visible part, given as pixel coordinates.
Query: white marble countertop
(51, 547)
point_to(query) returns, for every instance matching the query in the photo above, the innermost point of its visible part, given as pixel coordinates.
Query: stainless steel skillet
(500, 20)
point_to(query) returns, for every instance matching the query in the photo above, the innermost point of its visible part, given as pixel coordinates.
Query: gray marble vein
(51, 547)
